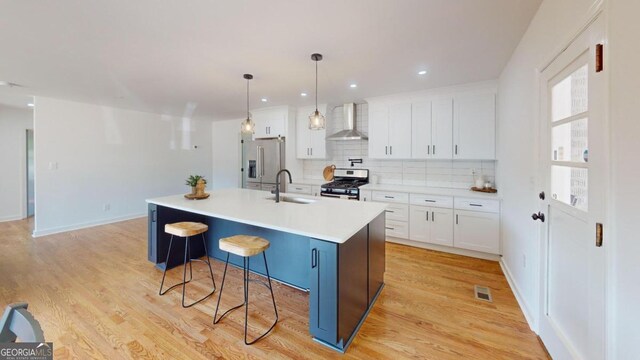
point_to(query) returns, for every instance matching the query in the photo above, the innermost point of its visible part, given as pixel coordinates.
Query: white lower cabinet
(431, 225)
(478, 231)
(396, 228)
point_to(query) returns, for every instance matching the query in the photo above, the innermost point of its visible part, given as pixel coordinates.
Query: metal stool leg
(224, 276)
(164, 273)
(206, 253)
(273, 299)
(187, 254)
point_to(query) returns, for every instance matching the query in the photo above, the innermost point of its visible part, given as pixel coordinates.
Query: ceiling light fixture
(353, 86)
(303, 94)
(264, 99)
(316, 119)
(248, 126)
(30, 104)
(422, 72)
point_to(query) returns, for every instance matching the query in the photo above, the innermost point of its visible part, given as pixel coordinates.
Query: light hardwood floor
(96, 296)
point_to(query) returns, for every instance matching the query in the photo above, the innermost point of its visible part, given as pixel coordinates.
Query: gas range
(345, 184)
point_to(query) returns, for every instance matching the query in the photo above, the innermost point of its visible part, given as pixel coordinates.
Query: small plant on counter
(193, 180)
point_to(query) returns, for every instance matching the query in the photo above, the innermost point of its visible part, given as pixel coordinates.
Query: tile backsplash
(435, 173)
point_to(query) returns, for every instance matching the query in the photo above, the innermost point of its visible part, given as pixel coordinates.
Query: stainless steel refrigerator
(262, 161)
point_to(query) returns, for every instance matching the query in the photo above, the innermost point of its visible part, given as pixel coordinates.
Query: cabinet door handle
(430, 201)
(386, 150)
(456, 219)
(311, 151)
(389, 197)
(390, 211)
(475, 205)
(433, 216)
(390, 150)
(434, 149)
(389, 228)
(427, 215)
(314, 258)
(428, 149)
(456, 149)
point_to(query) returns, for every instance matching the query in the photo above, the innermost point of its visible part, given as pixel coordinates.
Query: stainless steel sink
(291, 199)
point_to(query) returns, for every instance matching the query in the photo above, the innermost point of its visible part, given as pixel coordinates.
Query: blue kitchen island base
(343, 279)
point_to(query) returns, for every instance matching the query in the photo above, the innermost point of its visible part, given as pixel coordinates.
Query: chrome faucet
(277, 189)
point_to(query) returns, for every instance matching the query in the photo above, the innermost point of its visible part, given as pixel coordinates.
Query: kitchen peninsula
(334, 249)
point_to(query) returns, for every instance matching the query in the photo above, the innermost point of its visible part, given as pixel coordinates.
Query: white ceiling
(169, 56)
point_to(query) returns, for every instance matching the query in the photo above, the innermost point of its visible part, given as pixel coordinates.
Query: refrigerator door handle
(258, 163)
(262, 160)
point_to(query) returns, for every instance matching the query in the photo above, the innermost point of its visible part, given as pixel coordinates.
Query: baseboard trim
(446, 249)
(533, 325)
(11, 218)
(61, 229)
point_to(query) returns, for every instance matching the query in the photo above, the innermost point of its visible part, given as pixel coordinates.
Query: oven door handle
(350, 197)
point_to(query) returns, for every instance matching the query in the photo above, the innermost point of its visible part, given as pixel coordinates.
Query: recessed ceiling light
(422, 72)
(303, 94)
(30, 104)
(264, 99)
(353, 86)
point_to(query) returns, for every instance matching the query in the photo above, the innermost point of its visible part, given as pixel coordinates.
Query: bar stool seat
(246, 246)
(185, 230)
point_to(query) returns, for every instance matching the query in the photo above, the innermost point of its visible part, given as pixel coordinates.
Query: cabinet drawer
(398, 229)
(398, 212)
(299, 189)
(432, 200)
(390, 197)
(484, 205)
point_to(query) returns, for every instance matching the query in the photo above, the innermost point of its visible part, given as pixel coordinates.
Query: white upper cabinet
(390, 131)
(310, 144)
(474, 126)
(270, 123)
(432, 129)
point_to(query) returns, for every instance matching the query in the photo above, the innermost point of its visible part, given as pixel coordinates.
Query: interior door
(574, 161)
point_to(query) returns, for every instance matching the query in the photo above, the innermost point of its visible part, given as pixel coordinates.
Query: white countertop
(430, 191)
(327, 219)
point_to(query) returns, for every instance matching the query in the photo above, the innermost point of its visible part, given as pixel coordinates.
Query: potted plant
(194, 181)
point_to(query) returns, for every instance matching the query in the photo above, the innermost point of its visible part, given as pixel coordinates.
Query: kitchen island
(334, 249)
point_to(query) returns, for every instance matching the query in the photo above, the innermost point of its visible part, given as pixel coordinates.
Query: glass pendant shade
(316, 121)
(248, 126)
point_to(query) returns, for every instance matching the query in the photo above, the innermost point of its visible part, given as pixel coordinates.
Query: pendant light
(248, 126)
(316, 119)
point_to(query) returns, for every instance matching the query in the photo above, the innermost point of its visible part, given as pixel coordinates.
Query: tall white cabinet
(474, 126)
(432, 129)
(390, 130)
(310, 144)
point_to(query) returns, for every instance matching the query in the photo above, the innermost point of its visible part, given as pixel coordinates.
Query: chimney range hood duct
(349, 119)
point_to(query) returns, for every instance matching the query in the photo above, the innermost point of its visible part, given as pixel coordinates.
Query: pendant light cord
(316, 85)
(247, 99)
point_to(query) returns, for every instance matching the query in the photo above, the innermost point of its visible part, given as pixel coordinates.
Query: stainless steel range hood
(349, 119)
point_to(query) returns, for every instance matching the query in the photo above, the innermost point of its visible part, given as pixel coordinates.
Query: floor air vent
(483, 293)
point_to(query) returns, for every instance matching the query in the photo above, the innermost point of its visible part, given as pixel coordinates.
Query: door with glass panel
(572, 216)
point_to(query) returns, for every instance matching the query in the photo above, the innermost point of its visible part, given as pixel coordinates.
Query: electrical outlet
(107, 207)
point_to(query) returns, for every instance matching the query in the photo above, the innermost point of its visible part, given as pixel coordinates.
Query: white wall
(109, 156)
(13, 197)
(624, 56)
(227, 152)
(554, 24)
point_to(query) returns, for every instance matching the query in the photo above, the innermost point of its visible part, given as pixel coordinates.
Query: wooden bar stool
(186, 230)
(246, 246)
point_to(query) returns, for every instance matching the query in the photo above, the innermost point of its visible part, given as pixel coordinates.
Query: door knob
(538, 216)
(541, 195)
